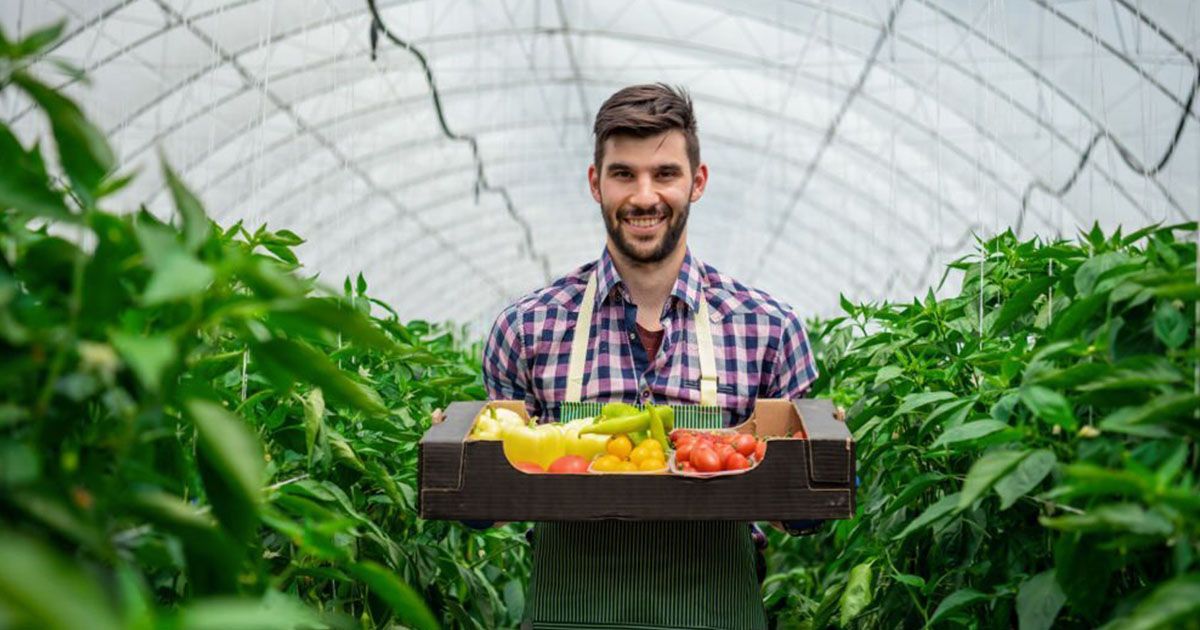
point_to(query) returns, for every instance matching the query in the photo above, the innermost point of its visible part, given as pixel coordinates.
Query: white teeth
(644, 222)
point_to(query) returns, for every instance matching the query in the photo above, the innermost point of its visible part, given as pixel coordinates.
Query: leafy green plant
(1027, 448)
(194, 434)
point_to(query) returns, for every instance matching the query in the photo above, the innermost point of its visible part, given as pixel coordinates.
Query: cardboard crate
(799, 478)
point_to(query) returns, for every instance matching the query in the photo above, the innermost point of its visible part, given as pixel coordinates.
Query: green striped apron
(643, 574)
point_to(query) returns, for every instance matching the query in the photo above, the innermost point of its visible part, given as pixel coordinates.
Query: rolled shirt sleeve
(505, 364)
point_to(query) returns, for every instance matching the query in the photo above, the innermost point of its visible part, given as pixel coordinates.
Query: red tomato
(569, 464)
(679, 434)
(760, 450)
(683, 452)
(683, 440)
(705, 459)
(736, 461)
(529, 467)
(723, 451)
(687, 467)
(744, 443)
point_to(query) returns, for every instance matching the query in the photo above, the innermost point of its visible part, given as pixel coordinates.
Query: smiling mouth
(644, 222)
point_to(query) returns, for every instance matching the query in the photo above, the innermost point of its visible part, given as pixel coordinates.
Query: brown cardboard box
(799, 478)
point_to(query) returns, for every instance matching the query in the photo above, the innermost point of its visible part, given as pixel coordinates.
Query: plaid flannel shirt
(760, 345)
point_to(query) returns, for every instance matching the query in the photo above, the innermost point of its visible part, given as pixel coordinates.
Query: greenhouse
(289, 292)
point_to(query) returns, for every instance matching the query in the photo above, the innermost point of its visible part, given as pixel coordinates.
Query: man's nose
(644, 196)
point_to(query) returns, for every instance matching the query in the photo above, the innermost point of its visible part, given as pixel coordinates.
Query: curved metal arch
(916, 124)
(248, 78)
(827, 11)
(452, 198)
(857, 151)
(422, 209)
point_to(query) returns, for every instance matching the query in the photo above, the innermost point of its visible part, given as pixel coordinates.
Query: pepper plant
(193, 433)
(1027, 447)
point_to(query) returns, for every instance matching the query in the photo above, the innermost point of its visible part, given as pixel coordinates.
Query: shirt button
(646, 393)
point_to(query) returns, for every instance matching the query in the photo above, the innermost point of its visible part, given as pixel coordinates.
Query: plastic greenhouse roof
(855, 147)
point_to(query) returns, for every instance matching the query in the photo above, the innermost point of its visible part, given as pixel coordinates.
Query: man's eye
(622, 174)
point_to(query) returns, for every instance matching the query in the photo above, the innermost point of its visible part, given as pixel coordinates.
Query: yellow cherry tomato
(652, 445)
(606, 463)
(627, 467)
(640, 454)
(620, 446)
(652, 463)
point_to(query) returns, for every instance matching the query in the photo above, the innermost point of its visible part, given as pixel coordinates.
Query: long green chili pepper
(656, 428)
(618, 410)
(625, 424)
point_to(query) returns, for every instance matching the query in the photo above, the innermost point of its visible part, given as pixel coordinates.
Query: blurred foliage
(1027, 448)
(194, 435)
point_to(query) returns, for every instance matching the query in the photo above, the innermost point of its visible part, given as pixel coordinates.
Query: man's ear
(699, 181)
(594, 182)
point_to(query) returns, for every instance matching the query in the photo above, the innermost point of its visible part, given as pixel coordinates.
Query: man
(651, 310)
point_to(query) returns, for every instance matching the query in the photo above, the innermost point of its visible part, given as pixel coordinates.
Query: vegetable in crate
(492, 422)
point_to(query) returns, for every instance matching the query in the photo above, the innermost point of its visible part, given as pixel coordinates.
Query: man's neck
(649, 284)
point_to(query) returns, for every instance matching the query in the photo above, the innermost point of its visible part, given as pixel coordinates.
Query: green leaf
(933, 513)
(915, 401)
(314, 414)
(41, 589)
(406, 604)
(857, 595)
(887, 373)
(196, 226)
(149, 356)
(954, 601)
(315, 367)
(83, 151)
(1038, 601)
(986, 471)
(180, 276)
(1087, 275)
(37, 41)
(968, 432)
(1029, 473)
(1020, 302)
(1071, 321)
(1115, 517)
(337, 314)
(1159, 410)
(1050, 406)
(24, 184)
(234, 460)
(1169, 325)
(1174, 604)
(914, 581)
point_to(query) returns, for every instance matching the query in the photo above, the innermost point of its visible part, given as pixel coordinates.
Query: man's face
(645, 188)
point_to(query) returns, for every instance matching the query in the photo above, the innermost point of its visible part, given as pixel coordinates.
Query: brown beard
(676, 222)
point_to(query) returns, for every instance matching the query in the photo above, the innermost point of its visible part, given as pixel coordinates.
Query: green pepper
(668, 417)
(617, 410)
(656, 428)
(624, 424)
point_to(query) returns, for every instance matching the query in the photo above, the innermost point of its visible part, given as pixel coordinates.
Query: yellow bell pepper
(538, 443)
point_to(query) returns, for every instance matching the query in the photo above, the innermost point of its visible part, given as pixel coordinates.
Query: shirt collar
(688, 285)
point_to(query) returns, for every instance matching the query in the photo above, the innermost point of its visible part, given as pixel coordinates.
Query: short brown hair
(647, 110)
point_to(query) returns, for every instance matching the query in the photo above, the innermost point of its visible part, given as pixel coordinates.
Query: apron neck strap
(582, 339)
(579, 345)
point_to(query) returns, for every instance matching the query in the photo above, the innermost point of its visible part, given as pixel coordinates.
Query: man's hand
(437, 417)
